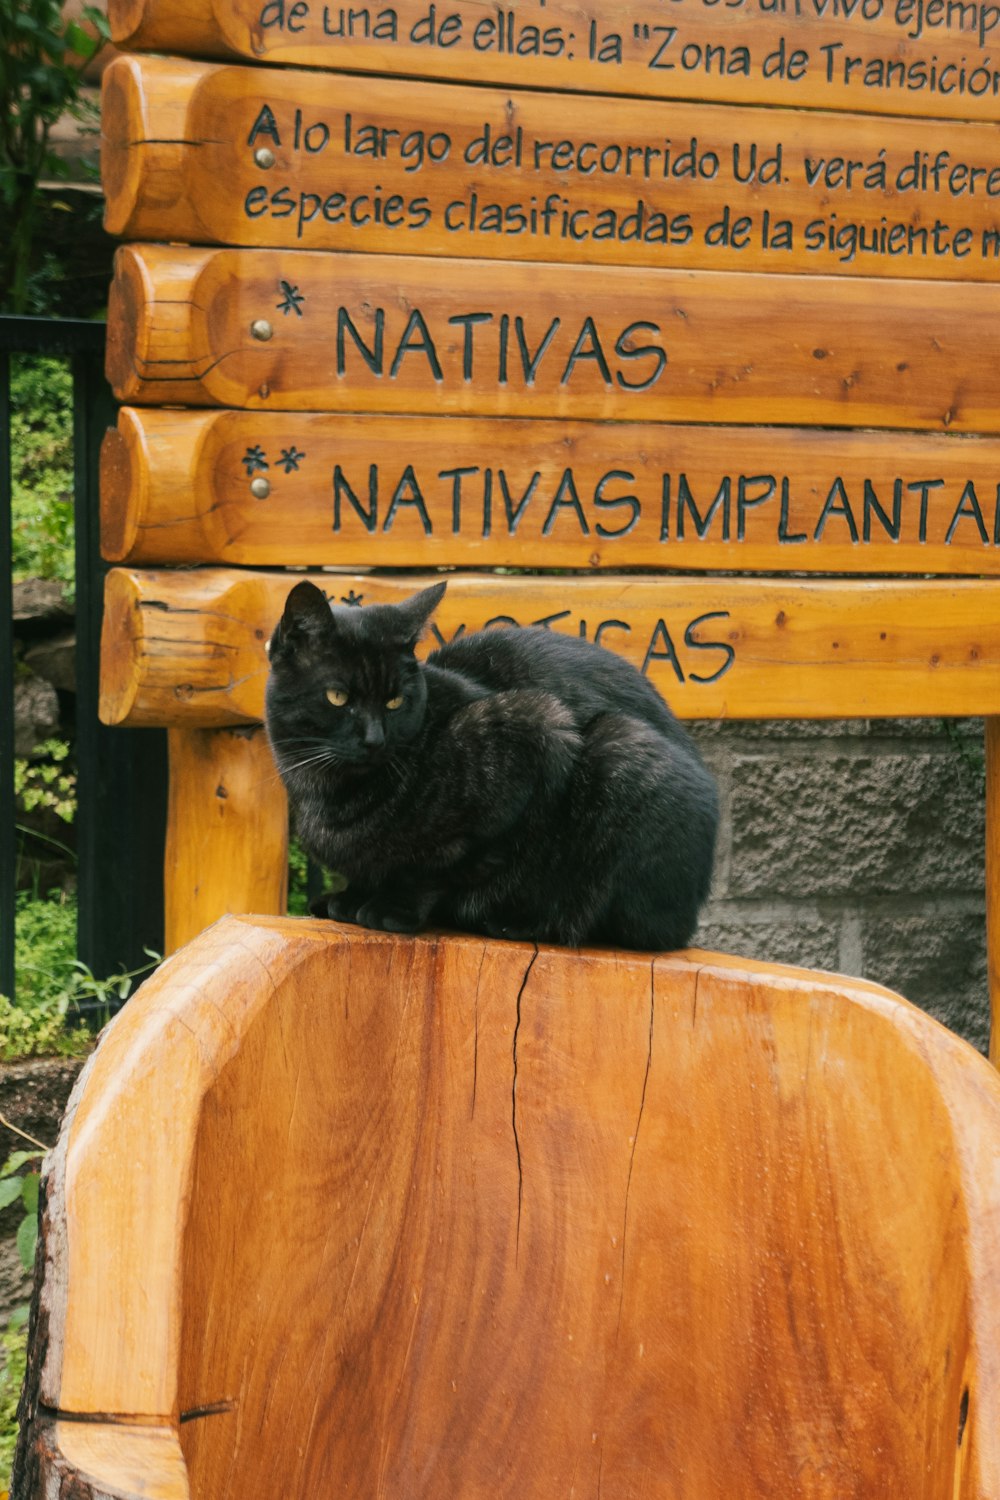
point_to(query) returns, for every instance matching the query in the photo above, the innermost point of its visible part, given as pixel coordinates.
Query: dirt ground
(33, 1095)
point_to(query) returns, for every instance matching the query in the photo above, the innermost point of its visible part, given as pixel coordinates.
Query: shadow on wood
(338, 1212)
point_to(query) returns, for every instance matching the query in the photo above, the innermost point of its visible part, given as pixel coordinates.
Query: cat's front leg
(396, 908)
(339, 906)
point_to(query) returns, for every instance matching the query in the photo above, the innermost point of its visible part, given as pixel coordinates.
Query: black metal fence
(121, 773)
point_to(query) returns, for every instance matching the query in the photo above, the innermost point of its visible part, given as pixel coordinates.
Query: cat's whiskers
(324, 757)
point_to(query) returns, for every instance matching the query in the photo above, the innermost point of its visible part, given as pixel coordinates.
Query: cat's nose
(374, 735)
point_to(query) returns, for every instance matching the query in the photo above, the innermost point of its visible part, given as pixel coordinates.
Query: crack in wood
(517, 1139)
(635, 1136)
(104, 1418)
(210, 1409)
(475, 1039)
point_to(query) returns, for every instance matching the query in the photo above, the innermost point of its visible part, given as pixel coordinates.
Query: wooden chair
(337, 1213)
(341, 1213)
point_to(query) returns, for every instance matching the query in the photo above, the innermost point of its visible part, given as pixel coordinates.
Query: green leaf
(16, 1162)
(97, 18)
(10, 1189)
(81, 42)
(29, 1192)
(27, 1238)
(18, 1318)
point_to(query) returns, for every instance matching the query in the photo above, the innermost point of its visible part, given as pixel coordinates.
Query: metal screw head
(264, 157)
(260, 488)
(261, 329)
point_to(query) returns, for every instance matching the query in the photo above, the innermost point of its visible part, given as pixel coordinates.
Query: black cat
(518, 783)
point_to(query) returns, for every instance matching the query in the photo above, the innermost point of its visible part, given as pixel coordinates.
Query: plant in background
(56, 990)
(42, 57)
(13, 1362)
(47, 780)
(19, 1178)
(19, 1181)
(41, 442)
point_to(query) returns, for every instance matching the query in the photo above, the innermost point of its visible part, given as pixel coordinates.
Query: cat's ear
(307, 619)
(410, 617)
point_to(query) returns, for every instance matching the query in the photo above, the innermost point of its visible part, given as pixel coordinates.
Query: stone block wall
(856, 846)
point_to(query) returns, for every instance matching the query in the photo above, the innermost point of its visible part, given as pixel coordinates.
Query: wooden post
(227, 830)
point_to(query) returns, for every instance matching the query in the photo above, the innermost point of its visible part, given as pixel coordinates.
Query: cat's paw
(389, 916)
(337, 906)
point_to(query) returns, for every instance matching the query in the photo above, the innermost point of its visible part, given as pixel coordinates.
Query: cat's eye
(395, 703)
(336, 696)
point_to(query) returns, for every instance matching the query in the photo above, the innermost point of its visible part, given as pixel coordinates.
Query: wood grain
(847, 56)
(402, 167)
(531, 1220)
(465, 491)
(400, 333)
(187, 649)
(227, 831)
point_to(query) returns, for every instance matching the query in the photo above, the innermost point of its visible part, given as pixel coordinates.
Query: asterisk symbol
(289, 459)
(254, 459)
(292, 299)
(352, 598)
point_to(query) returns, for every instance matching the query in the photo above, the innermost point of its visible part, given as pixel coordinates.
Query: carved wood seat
(335, 1212)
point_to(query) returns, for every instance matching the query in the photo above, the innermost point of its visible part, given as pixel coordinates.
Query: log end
(122, 488)
(120, 642)
(121, 131)
(125, 18)
(191, 28)
(126, 320)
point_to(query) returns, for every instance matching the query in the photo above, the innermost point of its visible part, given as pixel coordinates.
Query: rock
(54, 660)
(40, 606)
(36, 713)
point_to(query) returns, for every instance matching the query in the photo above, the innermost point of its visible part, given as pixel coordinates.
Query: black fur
(530, 785)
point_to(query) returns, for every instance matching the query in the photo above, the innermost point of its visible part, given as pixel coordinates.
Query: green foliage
(47, 779)
(42, 468)
(13, 1362)
(298, 874)
(54, 987)
(19, 1179)
(41, 59)
(45, 948)
(298, 896)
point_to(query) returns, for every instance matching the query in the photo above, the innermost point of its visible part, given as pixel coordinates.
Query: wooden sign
(270, 157)
(306, 488)
(187, 649)
(908, 57)
(290, 330)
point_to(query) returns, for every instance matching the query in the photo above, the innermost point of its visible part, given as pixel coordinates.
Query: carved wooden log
(311, 489)
(250, 156)
(901, 58)
(187, 648)
(335, 1211)
(290, 330)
